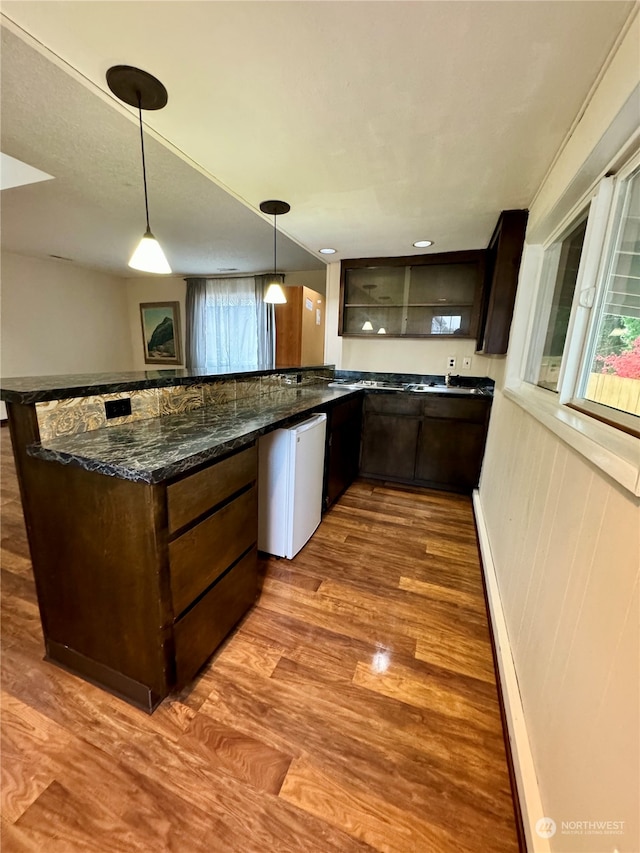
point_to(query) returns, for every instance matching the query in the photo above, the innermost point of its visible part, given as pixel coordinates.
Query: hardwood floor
(354, 709)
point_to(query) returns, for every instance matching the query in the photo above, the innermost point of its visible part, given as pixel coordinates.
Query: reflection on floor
(354, 709)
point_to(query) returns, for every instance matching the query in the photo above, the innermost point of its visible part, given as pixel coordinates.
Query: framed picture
(161, 332)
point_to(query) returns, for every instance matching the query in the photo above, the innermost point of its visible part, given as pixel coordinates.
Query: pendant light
(274, 292)
(366, 326)
(139, 89)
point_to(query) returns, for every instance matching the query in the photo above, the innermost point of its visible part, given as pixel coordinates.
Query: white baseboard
(526, 780)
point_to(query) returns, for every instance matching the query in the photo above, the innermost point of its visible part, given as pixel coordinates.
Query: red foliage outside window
(627, 364)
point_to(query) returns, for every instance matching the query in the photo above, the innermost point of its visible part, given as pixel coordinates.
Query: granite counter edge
(163, 473)
(30, 395)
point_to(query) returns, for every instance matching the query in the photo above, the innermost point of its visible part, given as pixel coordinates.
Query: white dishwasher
(290, 472)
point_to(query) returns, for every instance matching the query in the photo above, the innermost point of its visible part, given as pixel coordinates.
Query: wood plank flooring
(354, 709)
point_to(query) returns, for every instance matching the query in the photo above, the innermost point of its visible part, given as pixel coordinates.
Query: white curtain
(229, 327)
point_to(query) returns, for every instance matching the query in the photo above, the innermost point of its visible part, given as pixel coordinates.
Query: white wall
(152, 288)
(61, 318)
(392, 355)
(315, 279)
(565, 541)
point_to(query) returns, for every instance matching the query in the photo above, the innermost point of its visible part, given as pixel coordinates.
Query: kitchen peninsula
(140, 501)
(143, 534)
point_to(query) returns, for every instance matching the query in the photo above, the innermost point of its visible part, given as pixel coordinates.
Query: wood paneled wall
(565, 542)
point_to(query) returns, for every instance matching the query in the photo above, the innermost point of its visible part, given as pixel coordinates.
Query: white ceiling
(380, 122)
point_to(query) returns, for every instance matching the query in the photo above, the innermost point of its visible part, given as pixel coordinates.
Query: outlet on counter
(451, 362)
(117, 408)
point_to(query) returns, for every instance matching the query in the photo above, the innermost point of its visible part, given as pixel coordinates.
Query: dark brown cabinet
(344, 424)
(503, 265)
(451, 443)
(390, 436)
(434, 441)
(416, 296)
(138, 583)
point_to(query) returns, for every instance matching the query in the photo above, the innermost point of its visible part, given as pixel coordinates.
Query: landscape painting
(161, 332)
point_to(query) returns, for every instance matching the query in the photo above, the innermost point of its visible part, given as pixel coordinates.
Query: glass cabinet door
(374, 300)
(430, 297)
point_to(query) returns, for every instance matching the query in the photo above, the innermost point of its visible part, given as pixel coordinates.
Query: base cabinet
(344, 425)
(436, 442)
(138, 584)
(390, 436)
(450, 454)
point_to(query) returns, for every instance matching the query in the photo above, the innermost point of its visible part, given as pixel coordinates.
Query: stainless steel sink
(416, 388)
(442, 389)
(369, 383)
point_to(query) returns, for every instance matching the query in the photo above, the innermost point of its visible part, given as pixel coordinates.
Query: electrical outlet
(117, 408)
(451, 362)
(466, 363)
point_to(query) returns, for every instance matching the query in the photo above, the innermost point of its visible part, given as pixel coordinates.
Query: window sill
(609, 449)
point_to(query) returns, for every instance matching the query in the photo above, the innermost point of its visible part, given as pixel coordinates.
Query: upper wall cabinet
(418, 296)
(503, 265)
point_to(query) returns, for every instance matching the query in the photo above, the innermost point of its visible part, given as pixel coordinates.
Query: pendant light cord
(275, 256)
(144, 165)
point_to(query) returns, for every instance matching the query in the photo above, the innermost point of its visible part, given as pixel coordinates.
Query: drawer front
(189, 498)
(201, 554)
(393, 404)
(202, 629)
(459, 408)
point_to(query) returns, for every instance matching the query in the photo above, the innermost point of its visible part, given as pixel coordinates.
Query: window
(560, 274)
(585, 341)
(446, 324)
(611, 370)
(229, 326)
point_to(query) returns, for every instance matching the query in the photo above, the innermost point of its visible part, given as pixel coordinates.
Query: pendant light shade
(366, 326)
(274, 292)
(149, 257)
(139, 89)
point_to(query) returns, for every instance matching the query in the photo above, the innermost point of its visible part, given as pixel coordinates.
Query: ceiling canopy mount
(274, 207)
(136, 87)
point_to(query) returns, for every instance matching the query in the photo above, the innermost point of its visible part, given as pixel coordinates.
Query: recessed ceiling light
(327, 251)
(422, 244)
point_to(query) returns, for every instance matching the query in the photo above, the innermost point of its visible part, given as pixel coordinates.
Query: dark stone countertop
(158, 449)
(39, 389)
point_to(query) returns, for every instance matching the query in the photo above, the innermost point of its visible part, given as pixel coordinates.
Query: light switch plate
(466, 363)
